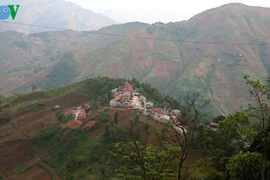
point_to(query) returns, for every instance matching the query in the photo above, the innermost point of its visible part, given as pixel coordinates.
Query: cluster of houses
(126, 96)
(163, 114)
(79, 113)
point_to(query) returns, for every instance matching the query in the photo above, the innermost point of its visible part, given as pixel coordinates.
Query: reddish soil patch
(150, 43)
(31, 116)
(124, 115)
(15, 135)
(33, 161)
(5, 129)
(114, 70)
(143, 33)
(164, 69)
(158, 125)
(13, 153)
(161, 73)
(71, 99)
(79, 59)
(198, 72)
(96, 134)
(4, 110)
(48, 120)
(30, 124)
(240, 85)
(220, 73)
(45, 156)
(73, 124)
(255, 65)
(32, 174)
(138, 49)
(9, 133)
(36, 95)
(90, 124)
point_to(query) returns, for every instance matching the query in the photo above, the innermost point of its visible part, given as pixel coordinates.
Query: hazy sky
(165, 10)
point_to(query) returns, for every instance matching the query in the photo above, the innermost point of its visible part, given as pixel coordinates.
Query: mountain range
(209, 53)
(48, 15)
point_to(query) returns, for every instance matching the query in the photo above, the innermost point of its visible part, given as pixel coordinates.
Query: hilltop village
(127, 97)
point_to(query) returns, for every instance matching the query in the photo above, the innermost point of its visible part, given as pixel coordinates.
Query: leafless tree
(190, 110)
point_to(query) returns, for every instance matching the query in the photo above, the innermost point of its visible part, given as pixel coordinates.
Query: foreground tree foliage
(145, 162)
(245, 166)
(261, 94)
(219, 118)
(237, 128)
(240, 148)
(203, 169)
(249, 133)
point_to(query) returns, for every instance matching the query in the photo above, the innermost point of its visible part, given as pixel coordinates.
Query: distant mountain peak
(62, 14)
(226, 10)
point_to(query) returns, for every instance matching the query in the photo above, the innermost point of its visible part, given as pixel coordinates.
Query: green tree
(107, 132)
(246, 166)
(237, 127)
(116, 118)
(110, 96)
(2, 95)
(34, 87)
(261, 93)
(219, 118)
(41, 125)
(203, 169)
(215, 147)
(60, 115)
(144, 162)
(135, 82)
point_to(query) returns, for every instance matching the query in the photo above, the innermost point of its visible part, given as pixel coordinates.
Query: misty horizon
(151, 12)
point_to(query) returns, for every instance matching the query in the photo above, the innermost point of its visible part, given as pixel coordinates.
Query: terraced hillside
(37, 142)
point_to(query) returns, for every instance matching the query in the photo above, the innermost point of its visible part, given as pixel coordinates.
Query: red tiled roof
(82, 114)
(213, 124)
(157, 110)
(128, 87)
